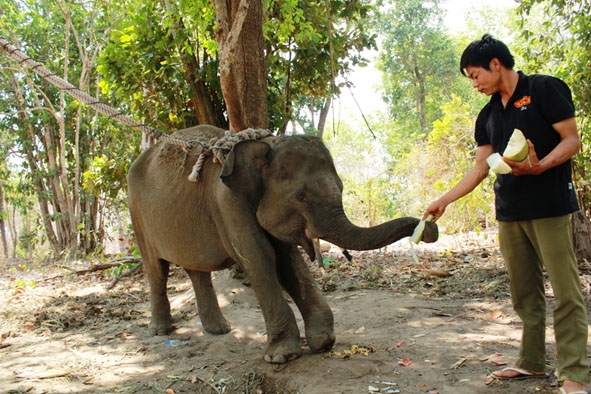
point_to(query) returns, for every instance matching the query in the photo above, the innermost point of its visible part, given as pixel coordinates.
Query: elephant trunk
(341, 232)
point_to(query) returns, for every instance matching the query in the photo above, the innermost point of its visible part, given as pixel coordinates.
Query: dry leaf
(496, 314)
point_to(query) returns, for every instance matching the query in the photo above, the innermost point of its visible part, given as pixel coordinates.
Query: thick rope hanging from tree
(216, 147)
(85, 98)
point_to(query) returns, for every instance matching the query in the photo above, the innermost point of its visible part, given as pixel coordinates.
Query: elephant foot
(282, 352)
(216, 326)
(160, 328)
(320, 343)
(320, 330)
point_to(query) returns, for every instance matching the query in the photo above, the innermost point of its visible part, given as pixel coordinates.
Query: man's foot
(570, 387)
(516, 373)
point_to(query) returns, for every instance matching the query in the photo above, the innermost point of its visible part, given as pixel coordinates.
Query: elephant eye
(301, 196)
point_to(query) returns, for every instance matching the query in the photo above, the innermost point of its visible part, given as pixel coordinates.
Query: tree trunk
(65, 198)
(422, 100)
(322, 117)
(242, 62)
(3, 222)
(13, 232)
(34, 162)
(581, 237)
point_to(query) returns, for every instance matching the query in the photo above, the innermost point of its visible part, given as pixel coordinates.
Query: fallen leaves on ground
(355, 349)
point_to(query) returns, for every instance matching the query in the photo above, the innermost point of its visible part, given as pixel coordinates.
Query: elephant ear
(242, 169)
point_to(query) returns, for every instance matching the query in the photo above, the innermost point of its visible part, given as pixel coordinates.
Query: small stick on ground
(124, 274)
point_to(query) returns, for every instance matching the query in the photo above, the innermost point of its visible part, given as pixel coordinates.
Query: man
(533, 205)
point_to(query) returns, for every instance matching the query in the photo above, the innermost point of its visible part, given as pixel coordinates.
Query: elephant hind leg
(211, 316)
(157, 274)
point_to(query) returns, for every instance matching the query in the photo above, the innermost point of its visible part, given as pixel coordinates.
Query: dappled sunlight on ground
(436, 320)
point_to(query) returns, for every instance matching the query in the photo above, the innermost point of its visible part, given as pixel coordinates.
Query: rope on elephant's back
(219, 148)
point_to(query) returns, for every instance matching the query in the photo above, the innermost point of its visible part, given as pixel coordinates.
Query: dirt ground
(434, 321)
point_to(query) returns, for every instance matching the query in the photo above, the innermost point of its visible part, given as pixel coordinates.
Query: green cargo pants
(528, 247)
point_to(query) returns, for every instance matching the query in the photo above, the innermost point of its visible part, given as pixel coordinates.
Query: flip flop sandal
(523, 374)
(563, 391)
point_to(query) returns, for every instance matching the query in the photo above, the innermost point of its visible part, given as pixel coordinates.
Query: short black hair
(480, 52)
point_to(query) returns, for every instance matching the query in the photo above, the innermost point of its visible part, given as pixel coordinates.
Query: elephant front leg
(283, 335)
(283, 347)
(252, 249)
(298, 281)
(157, 273)
(208, 307)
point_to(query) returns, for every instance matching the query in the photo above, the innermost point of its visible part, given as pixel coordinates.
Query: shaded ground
(434, 322)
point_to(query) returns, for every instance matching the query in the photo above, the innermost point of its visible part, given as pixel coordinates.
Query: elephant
(267, 198)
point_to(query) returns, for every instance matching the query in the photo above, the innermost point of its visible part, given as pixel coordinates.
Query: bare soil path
(435, 322)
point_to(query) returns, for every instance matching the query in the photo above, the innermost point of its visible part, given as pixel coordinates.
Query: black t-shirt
(538, 102)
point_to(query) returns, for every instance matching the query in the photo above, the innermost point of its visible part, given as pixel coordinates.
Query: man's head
(481, 52)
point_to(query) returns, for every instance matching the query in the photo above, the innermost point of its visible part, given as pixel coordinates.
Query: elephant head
(293, 186)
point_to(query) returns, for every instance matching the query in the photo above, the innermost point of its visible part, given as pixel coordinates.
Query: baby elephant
(253, 206)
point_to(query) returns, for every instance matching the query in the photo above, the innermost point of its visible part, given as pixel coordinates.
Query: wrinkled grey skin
(268, 198)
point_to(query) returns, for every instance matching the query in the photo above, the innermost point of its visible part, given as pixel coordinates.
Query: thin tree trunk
(3, 222)
(33, 161)
(242, 62)
(323, 115)
(66, 200)
(51, 190)
(422, 104)
(581, 236)
(13, 232)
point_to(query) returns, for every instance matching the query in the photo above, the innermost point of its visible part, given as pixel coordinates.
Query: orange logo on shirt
(522, 102)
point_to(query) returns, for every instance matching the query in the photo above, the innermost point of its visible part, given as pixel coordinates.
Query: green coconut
(517, 149)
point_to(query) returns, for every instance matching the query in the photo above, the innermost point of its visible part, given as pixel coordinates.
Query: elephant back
(181, 159)
(207, 142)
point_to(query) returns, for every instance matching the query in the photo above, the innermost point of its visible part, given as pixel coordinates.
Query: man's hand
(570, 145)
(529, 166)
(436, 209)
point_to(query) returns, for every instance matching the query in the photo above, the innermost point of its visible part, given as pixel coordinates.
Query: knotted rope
(219, 148)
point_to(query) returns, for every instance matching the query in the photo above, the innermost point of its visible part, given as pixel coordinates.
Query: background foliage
(157, 60)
